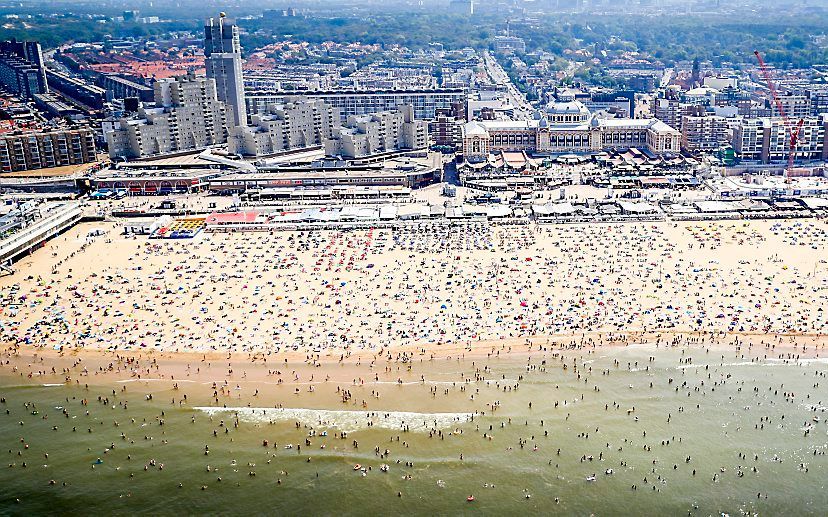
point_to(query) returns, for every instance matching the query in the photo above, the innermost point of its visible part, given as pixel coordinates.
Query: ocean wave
(347, 421)
(763, 362)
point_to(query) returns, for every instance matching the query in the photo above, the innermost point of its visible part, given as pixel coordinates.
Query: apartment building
(378, 133)
(189, 116)
(21, 68)
(818, 98)
(509, 44)
(795, 106)
(89, 95)
(700, 133)
(358, 102)
(446, 130)
(297, 124)
(670, 110)
(23, 151)
(767, 139)
(121, 88)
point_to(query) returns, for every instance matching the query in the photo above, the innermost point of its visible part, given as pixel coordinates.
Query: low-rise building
(409, 171)
(566, 128)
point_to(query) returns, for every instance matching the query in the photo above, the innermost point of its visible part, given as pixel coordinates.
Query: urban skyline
(419, 258)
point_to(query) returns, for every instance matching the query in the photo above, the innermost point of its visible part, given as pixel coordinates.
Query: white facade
(189, 117)
(365, 102)
(795, 106)
(378, 133)
(767, 139)
(568, 127)
(721, 82)
(298, 124)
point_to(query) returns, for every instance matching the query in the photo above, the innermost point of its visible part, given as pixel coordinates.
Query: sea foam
(347, 421)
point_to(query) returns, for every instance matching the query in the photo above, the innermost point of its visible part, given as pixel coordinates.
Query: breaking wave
(347, 421)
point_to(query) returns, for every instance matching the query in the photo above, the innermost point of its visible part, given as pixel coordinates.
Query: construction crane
(792, 130)
(793, 141)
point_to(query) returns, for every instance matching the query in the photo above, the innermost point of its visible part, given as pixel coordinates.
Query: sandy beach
(112, 308)
(528, 365)
(415, 288)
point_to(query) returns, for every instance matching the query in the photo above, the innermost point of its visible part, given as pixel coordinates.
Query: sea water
(753, 430)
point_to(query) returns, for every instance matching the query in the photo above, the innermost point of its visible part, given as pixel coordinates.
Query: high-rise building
(382, 132)
(299, 123)
(446, 128)
(188, 117)
(222, 52)
(703, 132)
(794, 106)
(21, 68)
(766, 139)
(819, 100)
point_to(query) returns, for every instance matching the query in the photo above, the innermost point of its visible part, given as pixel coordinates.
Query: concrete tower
(222, 52)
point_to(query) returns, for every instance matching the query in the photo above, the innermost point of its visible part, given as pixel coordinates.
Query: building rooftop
(566, 108)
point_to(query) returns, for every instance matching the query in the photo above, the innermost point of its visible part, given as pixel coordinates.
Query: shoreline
(173, 366)
(329, 299)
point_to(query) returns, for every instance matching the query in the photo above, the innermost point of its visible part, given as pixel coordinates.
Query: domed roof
(567, 108)
(701, 91)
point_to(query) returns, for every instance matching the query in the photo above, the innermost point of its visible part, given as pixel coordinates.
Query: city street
(523, 110)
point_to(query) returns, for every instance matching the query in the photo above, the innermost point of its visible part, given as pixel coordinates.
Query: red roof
(232, 217)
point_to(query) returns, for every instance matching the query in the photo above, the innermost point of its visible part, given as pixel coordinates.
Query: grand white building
(568, 127)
